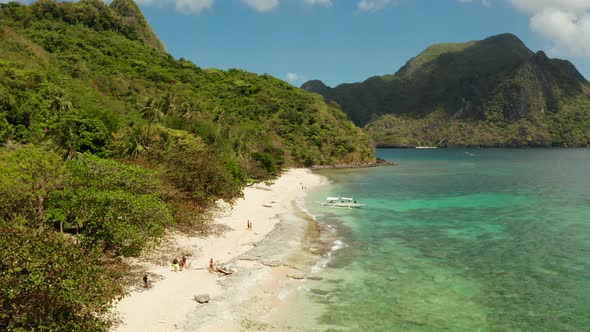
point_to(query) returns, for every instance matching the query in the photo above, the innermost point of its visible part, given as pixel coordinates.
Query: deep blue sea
(456, 240)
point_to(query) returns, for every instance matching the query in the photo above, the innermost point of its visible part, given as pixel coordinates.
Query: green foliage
(90, 171)
(51, 284)
(114, 206)
(194, 167)
(266, 162)
(88, 63)
(28, 175)
(114, 219)
(83, 135)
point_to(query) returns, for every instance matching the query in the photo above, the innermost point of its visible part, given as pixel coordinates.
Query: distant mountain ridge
(497, 89)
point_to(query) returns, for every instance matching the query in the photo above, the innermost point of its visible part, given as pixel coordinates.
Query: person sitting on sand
(175, 264)
(211, 266)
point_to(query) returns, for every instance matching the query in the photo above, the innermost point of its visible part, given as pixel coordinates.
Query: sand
(268, 258)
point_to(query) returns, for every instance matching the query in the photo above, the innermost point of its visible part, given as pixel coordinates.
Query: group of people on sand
(181, 265)
(176, 265)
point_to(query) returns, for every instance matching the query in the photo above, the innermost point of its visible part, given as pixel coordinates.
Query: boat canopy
(330, 199)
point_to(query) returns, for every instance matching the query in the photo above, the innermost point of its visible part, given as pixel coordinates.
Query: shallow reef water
(457, 240)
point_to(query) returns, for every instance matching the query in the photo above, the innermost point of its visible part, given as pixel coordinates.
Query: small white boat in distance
(341, 202)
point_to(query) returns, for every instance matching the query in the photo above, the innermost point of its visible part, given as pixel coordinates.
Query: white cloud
(566, 23)
(535, 6)
(262, 6)
(292, 77)
(182, 6)
(193, 6)
(373, 5)
(325, 3)
(486, 3)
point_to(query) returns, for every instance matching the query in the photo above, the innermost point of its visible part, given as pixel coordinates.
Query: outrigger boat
(341, 202)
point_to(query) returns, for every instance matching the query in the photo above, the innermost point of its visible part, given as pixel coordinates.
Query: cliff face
(495, 82)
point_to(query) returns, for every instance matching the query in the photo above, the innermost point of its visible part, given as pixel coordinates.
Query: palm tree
(151, 112)
(61, 105)
(189, 109)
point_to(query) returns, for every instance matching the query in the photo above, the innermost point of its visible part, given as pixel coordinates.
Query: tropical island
(118, 161)
(494, 92)
(108, 142)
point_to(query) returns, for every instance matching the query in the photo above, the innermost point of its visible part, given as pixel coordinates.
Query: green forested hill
(493, 92)
(107, 140)
(110, 67)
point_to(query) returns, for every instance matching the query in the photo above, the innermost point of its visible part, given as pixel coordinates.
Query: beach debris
(253, 325)
(224, 268)
(319, 291)
(203, 298)
(271, 263)
(297, 276)
(266, 205)
(314, 278)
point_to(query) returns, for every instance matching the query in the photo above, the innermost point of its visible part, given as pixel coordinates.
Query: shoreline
(379, 162)
(268, 258)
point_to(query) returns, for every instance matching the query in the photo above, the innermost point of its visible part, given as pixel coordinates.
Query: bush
(28, 175)
(114, 206)
(51, 284)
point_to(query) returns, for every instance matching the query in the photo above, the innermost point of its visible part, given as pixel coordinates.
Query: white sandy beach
(167, 305)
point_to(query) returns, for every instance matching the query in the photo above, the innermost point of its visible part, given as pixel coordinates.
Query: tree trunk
(40, 208)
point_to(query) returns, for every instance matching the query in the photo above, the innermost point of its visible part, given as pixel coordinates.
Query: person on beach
(211, 267)
(145, 281)
(182, 263)
(175, 264)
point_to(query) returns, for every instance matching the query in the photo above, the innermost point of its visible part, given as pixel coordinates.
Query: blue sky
(340, 41)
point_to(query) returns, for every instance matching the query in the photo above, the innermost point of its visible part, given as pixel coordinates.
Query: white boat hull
(342, 205)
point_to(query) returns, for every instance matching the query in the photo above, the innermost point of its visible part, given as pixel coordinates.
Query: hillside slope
(493, 92)
(107, 63)
(107, 141)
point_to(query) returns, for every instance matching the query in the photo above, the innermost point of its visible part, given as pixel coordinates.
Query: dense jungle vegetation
(107, 141)
(492, 92)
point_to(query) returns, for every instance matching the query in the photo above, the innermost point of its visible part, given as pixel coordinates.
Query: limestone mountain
(493, 92)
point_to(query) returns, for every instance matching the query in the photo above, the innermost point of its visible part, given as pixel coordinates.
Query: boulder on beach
(203, 298)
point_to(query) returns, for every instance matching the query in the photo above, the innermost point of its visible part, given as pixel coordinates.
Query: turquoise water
(458, 240)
